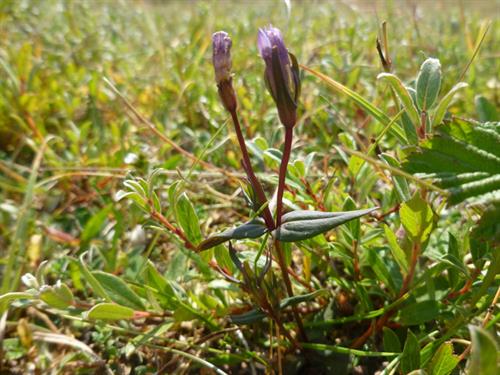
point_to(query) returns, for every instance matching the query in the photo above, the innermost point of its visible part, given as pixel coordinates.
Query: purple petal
(221, 45)
(264, 44)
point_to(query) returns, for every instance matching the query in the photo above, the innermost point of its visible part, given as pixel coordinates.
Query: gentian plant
(281, 76)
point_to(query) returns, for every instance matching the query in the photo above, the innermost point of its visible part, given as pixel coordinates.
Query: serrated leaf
(444, 361)
(410, 359)
(417, 218)
(118, 290)
(403, 95)
(251, 229)
(428, 83)
(443, 105)
(464, 158)
(301, 224)
(109, 311)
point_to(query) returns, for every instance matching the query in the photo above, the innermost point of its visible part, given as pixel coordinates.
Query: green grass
(96, 93)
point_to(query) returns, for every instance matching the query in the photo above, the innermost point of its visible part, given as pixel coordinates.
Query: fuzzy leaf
(428, 83)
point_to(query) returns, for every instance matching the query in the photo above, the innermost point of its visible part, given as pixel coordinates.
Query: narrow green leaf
(403, 95)
(7, 298)
(95, 285)
(300, 225)
(410, 359)
(391, 341)
(484, 352)
(251, 229)
(118, 290)
(428, 83)
(445, 102)
(187, 218)
(444, 361)
(109, 311)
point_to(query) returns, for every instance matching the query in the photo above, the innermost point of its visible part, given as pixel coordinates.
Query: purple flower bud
(281, 74)
(221, 58)
(221, 45)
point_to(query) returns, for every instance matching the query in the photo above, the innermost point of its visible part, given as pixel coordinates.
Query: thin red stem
(256, 185)
(282, 177)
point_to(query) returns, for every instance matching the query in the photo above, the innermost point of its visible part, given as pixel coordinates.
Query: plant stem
(261, 196)
(279, 211)
(289, 290)
(282, 177)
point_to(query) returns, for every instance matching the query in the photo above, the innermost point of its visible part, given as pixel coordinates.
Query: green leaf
(485, 110)
(403, 95)
(445, 102)
(251, 229)
(96, 286)
(109, 311)
(391, 341)
(187, 219)
(397, 252)
(444, 361)
(118, 290)
(428, 83)
(463, 158)
(378, 266)
(300, 225)
(417, 218)
(400, 183)
(418, 313)
(484, 352)
(353, 225)
(58, 296)
(7, 298)
(410, 359)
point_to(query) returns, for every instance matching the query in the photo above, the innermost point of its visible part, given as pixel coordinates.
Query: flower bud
(221, 58)
(281, 74)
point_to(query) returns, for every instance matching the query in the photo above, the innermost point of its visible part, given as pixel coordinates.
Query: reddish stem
(282, 177)
(247, 165)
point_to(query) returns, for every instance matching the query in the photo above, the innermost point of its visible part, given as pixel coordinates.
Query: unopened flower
(281, 75)
(221, 58)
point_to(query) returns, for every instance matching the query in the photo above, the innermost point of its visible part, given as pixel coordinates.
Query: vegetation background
(82, 84)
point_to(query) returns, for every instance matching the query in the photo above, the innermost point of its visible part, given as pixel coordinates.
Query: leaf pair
(296, 226)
